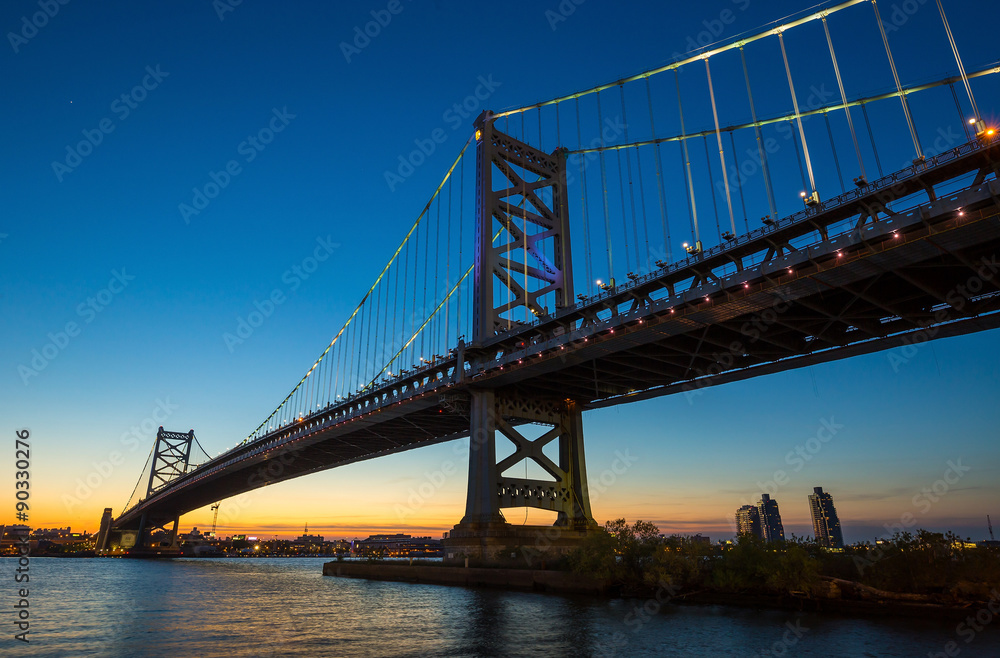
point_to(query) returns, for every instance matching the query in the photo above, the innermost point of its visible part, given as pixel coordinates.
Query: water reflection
(285, 607)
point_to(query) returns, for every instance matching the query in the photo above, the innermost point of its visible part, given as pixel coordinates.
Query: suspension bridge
(479, 323)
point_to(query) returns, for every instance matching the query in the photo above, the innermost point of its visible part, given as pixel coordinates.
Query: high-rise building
(770, 519)
(748, 521)
(104, 533)
(826, 525)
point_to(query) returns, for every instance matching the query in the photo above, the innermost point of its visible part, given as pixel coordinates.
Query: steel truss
(505, 250)
(490, 490)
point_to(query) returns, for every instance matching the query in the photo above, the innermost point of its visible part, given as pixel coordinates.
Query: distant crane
(215, 518)
(990, 524)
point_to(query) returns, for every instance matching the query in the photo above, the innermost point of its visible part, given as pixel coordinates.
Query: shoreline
(568, 583)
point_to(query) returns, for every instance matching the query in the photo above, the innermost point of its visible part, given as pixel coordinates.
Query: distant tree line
(909, 566)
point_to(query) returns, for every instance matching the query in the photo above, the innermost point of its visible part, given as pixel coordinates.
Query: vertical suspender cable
(337, 370)
(360, 333)
(558, 128)
(349, 386)
(899, 87)
(871, 138)
(307, 398)
(386, 343)
(833, 147)
(621, 191)
(659, 174)
(718, 138)
(642, 205)
(604, 185)
(436, 320)
(461, 218)
(798, 155)
(378, 321)
(416, 284)
(631, 191)
(760, 142)
(843, 98)
(540, 130)
(958, 60)
(711, 185)
(395, 304)
(510, 246)
(447, 272)
(798, 117)
(406, 279)
(329, 377)
(583, 200)
(423, 308)
(961, 115)
(524, 239)
(739, 184)
(368, 342)
(559, 144)
(689, 182)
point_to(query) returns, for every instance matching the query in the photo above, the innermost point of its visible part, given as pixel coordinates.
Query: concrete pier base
(499, 542)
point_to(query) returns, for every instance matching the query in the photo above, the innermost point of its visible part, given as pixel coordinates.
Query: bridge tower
(522, 265)
(171, 458)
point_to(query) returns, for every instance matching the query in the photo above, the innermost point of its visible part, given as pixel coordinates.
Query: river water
(286, 607)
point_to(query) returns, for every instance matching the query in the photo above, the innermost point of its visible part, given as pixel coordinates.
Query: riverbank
(564, 582)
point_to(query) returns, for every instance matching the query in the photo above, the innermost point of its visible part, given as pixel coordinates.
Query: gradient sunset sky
(216, 74)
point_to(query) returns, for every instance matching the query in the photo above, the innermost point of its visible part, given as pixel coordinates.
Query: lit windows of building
(826, 524)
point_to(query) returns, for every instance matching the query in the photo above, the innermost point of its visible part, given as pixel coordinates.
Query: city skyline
(160, 294)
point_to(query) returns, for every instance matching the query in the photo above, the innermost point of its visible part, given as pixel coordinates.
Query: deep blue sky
(160, 338)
